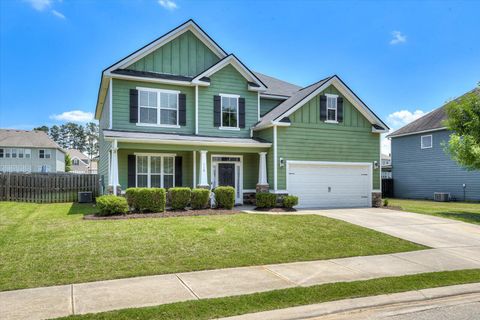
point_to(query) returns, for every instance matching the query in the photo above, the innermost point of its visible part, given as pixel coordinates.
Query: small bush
(266, 200)
(200, 198)
(180, 197)
(146, 199)
(110, 205)
(289, 201)
(225, 197)
(385, 202)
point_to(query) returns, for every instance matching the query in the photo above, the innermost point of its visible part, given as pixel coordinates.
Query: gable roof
(74, 153)
(26, 139)
(298, 99)
(277, 87)
(432, 121)
(231, 59)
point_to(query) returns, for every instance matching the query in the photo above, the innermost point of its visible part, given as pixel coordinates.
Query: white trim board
(393, 135)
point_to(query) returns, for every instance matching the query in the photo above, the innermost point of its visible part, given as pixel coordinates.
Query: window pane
(143, 98)
(167, 181)
(172, 100)
(14, 153)
(331, 114)
(41, 153)
(148, 115)
(155, 164)
(1, 153)
(142, 164)
(168, 116)
(142, 181)
(7, 153)
(27, 153)
(152, 99)
(225, 103)
(155, 181)
(233, 119)
(20, 153)
(168, 165)
(163, 100)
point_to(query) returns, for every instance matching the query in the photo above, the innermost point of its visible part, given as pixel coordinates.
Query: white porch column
(262, 169)
(203, 169)
(114, 167)
(194, 153)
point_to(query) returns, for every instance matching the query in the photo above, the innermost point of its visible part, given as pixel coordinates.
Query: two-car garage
(330, 184)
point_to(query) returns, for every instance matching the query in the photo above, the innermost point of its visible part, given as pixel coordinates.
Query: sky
(403, 58)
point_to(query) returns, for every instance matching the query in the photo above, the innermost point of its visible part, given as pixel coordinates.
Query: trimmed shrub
(289, 201)
(224, 197)
(146, 199)
(200, 198)
(110, 205)
(180, 197)
(385, 202)
(266, 200)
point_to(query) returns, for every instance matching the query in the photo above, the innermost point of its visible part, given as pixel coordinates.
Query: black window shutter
(133, 105)
(178, 172)
(340, 109)
(241, 112)
(323, 108)
(182, 109)
(217, 112)
(131, 170)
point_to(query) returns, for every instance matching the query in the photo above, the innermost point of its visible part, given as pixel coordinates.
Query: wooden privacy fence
(387, 188)
(46, 187)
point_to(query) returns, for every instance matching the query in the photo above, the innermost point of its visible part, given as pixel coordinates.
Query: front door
(226, 174)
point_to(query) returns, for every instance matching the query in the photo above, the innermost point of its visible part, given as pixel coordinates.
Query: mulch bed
(397, 208)
(165, 214)
(275, 209)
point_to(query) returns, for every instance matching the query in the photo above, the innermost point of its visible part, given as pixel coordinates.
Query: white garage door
(330, 185)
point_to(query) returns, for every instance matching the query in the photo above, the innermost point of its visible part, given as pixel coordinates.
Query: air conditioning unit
(441, 196)
(85, 197)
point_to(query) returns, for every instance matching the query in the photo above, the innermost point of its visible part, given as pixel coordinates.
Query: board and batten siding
(418, 173)
(185, 55)
(310, 139)
(227, 81)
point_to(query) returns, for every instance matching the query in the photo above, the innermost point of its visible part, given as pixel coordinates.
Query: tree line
(75, 136)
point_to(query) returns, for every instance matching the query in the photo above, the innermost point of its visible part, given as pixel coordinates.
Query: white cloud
(386, 145)
(403, 117)
(74, 116)
(398, 38)
(168, 4)
(58, 14)
(40, 5)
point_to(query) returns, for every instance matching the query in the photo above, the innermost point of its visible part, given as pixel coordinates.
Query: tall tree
(55, 133)
(42, 128)
(464, 120)
(91, 135)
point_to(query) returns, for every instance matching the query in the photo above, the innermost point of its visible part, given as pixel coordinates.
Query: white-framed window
(426, 142)
(8, 152)
(75, 162)
(331, 107)
(2, 154)
(20, 153)
(44, 154)
(14, 152)
(229, 108)
(28, 153)
(157, 107)
(155, 170)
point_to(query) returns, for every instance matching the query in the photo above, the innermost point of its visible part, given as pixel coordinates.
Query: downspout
(274, 158)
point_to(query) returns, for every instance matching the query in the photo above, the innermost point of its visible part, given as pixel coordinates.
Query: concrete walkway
(456, 245)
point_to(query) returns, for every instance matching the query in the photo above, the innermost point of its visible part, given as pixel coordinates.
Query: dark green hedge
(109, 205)
(225, 197)
(146, 199)
(180, 197)
(200, 198)
(266, 200)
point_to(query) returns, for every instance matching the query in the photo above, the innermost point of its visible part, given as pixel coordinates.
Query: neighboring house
(421, 167)
(182, 112)
(81, 162)
(29, 151)
(386, 166)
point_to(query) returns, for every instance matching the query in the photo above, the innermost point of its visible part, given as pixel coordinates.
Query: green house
(183, 112)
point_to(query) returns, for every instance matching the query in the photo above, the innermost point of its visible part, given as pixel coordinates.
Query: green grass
(230, 306)
(49, 244)
(463, 211)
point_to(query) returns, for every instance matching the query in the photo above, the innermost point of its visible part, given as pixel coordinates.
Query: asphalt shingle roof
(25, 138)
(276, 86)
(431, 121)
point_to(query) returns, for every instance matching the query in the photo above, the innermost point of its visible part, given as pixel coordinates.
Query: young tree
(464, 120)
(68, 163)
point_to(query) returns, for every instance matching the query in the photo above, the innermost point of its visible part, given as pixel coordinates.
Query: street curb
(340, 306)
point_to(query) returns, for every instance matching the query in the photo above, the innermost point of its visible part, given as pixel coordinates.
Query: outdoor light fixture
(282, 162)
(375, 164)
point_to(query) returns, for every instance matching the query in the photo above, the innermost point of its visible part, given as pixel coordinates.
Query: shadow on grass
(463, 216)
(82, 208)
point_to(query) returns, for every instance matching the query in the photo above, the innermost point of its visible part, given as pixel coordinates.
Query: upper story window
(15, 153)
(229, 109)
(331, 107)
(426, 142)
(158, 107)
(75, 162)
(44, 154)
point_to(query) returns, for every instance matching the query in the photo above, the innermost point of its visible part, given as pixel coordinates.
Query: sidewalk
(456, 246)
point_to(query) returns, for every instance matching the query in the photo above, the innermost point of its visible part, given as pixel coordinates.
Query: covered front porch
(203, 162)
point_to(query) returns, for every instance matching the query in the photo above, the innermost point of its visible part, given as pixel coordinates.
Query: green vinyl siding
(121, 106)
(185, 55)
(228, 81)
(310, 139)
(268, 104)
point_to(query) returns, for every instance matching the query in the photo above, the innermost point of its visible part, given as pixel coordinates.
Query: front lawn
(278, 299)
(48, 244)
(464, 211)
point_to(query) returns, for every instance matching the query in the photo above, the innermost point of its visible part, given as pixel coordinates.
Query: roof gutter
(393, 135)
(193, 142)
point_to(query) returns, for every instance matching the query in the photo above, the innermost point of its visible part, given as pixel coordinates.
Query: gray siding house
(420, 166)
(29, 151)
